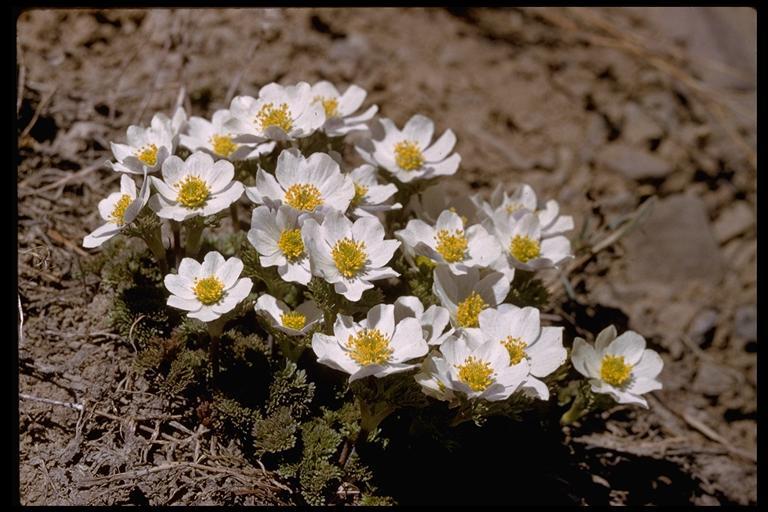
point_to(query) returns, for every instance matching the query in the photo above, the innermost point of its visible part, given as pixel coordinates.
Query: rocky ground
(603, 109)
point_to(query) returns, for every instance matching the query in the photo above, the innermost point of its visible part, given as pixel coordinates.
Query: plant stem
(215, 329)
(176, 227)
(194, 236)
(235, 217)
(154, 242)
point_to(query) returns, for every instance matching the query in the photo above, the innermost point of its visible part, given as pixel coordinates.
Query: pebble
(733, 221)
(632, 162)
(745, 322)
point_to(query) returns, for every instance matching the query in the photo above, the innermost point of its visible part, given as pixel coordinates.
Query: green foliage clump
(276, 432)
(528, 291)
(187, 368)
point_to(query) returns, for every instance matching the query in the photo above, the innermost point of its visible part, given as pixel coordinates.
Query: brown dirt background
(598, 108)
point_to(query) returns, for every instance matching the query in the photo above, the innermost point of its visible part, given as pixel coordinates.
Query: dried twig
(39, 110)
(21, 322)
(69, 405)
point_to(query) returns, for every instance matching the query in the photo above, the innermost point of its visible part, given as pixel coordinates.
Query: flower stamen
(274, 116)
(408, 155)
(193, 192)
(293, 320)
(147, 155)
(360, 191)
(223, 145)
(118, 212)
(524, 248)
(330, 105)
(303, 196)
(475, 373)
(469, 310)
(615, 371)
(452, 246)
(291, 244)
(209, 290)
(349, 256)
(516, 348)
(369, 346)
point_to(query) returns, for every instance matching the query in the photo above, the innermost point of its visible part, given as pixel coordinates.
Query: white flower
(197, 186)
(430, 203)
(119, 209)
(295, 323)
(281, 113)
(376, 346)
(621, 367)
(520, 237)
(147, 148)
(477, 371)
(434, 377)
(212, 137)
(407, 154)
(276, 235)
(519, 331)
(435, 321)
(449, 243)
(370, 197)
(313, 184)
(210, 289)
(340, 108)
(349, 255)
(465, 296)
(524, 198)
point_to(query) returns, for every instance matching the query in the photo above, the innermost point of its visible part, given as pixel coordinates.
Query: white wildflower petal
(630, 345)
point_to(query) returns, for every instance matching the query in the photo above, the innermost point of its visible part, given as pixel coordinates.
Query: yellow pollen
(360, 191)
(425, 262)
(303, 196)
(330, 105)
(118, 213)
(524, 248)
(148, 155)
(291, 244)
(223, 145)
(193, 192)
(271, 116)
(369, 346)
(408, 155)
(451, 246)
(615, 371)
(516, 349)
(513, 207)
(209, 290)
(475, 374)
(469, 310)
(293, 320)
(349, 256)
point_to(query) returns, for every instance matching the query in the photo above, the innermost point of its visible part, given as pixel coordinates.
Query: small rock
(632, 162)
(733, 221)
(745, 322)
(711, 380)
(702, 324)
(639, 127)
(674, 245)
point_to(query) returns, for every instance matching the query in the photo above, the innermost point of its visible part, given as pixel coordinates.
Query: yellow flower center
(209, 290)
(516, 349)
(193, 192)
(271, 116)
(452, 246)
(291, 244)
(293, 320)
(360, 191)
(524, 248)
(223, 145)
(408, 155)
(330, 105)
(148, 155)
(513, 207)
(475, 374)
(469, 309)
(118, 212)
(369, 346)
(303, 196)
(615, 371)
(349, 256)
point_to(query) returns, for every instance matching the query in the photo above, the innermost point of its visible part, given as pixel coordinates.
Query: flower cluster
(421, 282)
